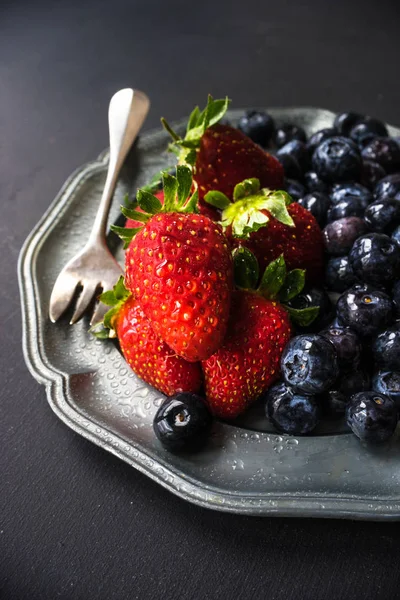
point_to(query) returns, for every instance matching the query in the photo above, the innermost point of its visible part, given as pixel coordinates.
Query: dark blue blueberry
(183, 422)
(347, 345)
(299, 151)
(318, 137)
(318, 204)
(396, 297)
(375, 259)
(339, 275)
(388, 187)
(295, 189)
(350, 207)
(371, 173)
(291, 412)
(366, 129)
(340, 235)
(383, 216)
(309, 363)
(372, 416)
(385, 152)
(364, 309)
(344, 191)
(396, 235)
(337, 159)
(334, 402)
(308, 298)
(388, 383)
(258, 126)
(290, 166)
(345, 121)
(315, 183)
(288, 132)
(386, 349)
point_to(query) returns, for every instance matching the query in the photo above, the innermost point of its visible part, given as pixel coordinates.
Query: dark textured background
(75, 523)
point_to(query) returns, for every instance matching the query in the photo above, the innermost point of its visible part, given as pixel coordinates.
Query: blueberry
(295, 189)
(339, 275)
(347, 345)
(372, 416)
(315, 183)
(396, 297)
(388, 383)
(388, 187)
(383, 215)
(351, 207)
(318, 137)
(288, 132)
(337, 159)
(386, 349)
(258, 126)
(290, 166)
(310, 297)
(183, 422)
(367, 128)
(385, 152)
(375, 259)
(340, 235)
(364, 309)
(396, 234)
(334, 402)
(318, 204)
(345, 121)
(309, 363)
(343, 191)
(299, 151)
(291, 412)
(371, 173)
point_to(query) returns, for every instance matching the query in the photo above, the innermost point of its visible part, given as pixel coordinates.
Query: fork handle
(126, 114)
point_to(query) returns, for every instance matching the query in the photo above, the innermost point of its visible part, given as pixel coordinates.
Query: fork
(94, 268)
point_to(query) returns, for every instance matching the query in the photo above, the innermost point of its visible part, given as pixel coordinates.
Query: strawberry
(222, 156)
(149, 357)
(179, 267)
(269, 225)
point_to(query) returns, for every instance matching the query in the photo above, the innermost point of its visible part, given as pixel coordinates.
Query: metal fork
(94, 268)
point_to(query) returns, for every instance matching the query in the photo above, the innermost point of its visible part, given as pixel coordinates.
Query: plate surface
(246, 468)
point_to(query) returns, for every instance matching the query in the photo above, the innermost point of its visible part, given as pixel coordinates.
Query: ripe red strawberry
(260, 221)
(149, 357)
(179, 267)
(248, 362)
(221, 155)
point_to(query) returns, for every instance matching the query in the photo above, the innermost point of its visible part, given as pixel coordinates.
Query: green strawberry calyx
(276, 283)
(114, 298)
(186, 147)
(178, 197)
(247, 212)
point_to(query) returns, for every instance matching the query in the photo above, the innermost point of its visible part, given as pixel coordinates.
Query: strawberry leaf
(108, 298)
(125, 233)
(184, 178)
(216, 110)
(293, 284)
(191, 205)
(245, 267)
(193, 119)
(168, 128)
(148, 203)
(217, 199)
(156, 181)
(100, 332)
(170, 185)
(190, 158)
(303, 316)
(120, 291)
(273, 278)
(248, 187)
(136, 215)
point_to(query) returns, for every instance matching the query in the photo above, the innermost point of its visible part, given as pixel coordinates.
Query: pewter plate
(246, 467)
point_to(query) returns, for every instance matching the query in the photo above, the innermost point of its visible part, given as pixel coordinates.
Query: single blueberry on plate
(315, 183)
(371, 416)
(295, 189)
(339, 275)
(366, 128)
(385, 152)
(291, 412)
(347, 345)
(318, 204)
(388, 383)
(288, 132)
(334, 401)
(309, 297)
(396, 234)
(344, 191)
(388, 187)
(258, 126)
(386, 349)
(183, 422)
(299, 151)
(351, 207)
(309, 363)
(375, 259)
(345, 121)
(340, 235)
(337, 159)
(371, 173)
(364, 309)
(383, 216)
(290, 166)
(318, 137)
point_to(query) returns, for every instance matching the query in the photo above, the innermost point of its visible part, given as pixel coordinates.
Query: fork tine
(83, 302)
(98, 314)
(61, 297)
